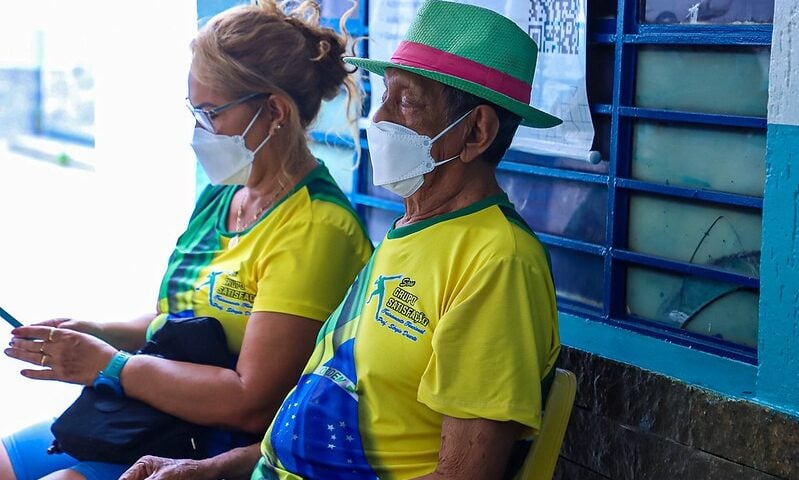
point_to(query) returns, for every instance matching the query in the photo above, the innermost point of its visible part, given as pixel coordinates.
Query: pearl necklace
(239, 227)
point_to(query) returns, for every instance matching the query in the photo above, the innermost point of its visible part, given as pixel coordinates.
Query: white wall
(783, 105)
(93, 243)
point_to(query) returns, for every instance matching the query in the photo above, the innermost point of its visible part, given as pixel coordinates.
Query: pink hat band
(418, 55)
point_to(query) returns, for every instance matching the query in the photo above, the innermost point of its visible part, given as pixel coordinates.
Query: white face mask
(400, 157)
(225, 158)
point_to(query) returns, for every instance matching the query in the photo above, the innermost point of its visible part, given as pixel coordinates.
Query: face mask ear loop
(452, 125)
(442, 162)
(262, 144)
(248, 129)
(249, 125)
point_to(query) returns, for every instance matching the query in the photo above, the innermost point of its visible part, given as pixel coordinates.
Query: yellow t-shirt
(452, 316)
(298, 258)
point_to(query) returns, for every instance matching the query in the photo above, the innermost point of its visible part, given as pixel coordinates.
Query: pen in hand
(8, 318)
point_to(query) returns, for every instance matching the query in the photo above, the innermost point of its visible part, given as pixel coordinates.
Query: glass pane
(599, 74)
(730, 81)
(602, 124)
(578, 276)
(66, 84)
(602, 9)
(559, 207)
(19, 97)
(378, 221)
(708, 11)
(727, 160)
(338, 161)
(333, 118)
(600, 143)
(715, 309)
(336, 8)
(704, 234)
(68, 101)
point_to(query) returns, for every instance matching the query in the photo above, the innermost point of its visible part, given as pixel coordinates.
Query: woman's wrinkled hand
(63, 354)
(157, 468)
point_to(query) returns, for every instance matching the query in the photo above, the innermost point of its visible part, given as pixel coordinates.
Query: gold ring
(50, 335)
(41, 363)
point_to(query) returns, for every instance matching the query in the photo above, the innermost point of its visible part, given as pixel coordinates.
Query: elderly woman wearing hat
(439, 357)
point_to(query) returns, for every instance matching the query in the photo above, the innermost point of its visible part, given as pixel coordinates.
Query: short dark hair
(460, 102)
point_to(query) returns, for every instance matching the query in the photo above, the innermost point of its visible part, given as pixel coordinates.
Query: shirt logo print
(229, 295)
(398, 312)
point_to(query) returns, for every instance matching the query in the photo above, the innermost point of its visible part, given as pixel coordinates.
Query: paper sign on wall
(558, 27)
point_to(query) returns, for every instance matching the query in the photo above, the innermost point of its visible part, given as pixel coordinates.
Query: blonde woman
(269, 251)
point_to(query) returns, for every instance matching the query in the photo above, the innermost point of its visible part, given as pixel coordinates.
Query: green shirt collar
(399, 232)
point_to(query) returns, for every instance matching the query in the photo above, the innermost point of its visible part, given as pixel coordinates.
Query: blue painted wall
(778, 373)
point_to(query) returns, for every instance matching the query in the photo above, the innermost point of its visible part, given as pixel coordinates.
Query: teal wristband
(109, 376)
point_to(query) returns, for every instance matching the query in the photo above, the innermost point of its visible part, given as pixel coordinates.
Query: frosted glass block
(708, 11)
(694, 304)
(704, 234)
(727, 160)
(720, 80)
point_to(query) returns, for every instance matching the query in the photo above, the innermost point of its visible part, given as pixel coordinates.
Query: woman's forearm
(129, 335)
(200, 394)
(274, 352)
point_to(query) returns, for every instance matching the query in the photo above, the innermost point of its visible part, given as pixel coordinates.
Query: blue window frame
(609, 243)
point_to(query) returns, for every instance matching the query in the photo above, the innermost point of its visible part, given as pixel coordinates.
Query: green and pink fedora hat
(472, 49)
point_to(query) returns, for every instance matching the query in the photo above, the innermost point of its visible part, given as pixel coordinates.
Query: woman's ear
(484, 125)
(280, 110)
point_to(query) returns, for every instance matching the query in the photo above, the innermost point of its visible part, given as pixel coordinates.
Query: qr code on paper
(554, 25)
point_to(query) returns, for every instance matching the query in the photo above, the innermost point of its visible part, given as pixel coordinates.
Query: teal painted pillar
(778, 351)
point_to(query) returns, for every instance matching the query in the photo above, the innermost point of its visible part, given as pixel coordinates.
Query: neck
(278, 168)
(449, 189)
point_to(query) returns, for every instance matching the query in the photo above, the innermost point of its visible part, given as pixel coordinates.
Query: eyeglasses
(206, 117)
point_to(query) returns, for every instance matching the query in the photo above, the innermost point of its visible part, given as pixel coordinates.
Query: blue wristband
(108, 379)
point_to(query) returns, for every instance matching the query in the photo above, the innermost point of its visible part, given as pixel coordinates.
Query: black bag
(102, 427)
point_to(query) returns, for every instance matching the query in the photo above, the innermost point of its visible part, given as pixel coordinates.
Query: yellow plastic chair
(539, 464)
